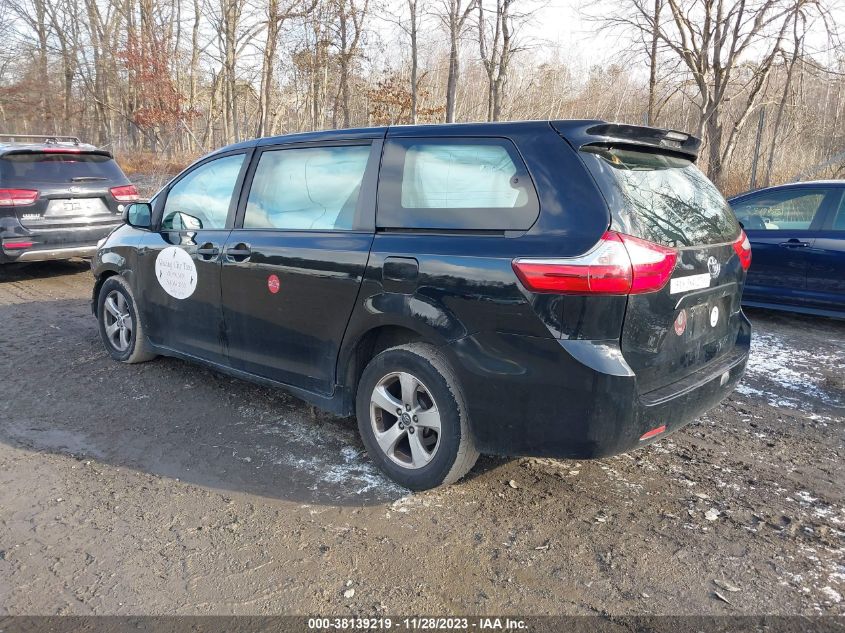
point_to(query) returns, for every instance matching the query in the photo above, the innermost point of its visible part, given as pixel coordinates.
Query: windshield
(662, 199)
(22, 168)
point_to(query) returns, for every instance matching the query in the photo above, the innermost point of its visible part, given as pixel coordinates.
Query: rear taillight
(743, 248)
(618, 265)
(126, 193)
(16, 246)
(17, 197)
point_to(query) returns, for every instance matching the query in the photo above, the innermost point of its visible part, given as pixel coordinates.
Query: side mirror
(138, 214)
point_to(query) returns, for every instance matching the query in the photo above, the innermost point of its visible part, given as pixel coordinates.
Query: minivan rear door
(694, 319)
(293, 265)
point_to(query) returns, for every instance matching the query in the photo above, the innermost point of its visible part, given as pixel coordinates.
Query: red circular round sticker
(273, 283)
(681, 322)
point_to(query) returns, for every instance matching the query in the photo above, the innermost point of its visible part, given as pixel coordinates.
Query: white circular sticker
(176, 272)
(714, 316)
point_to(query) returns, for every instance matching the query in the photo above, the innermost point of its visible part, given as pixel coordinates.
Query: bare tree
(798, 35)
(153, 79)
(497, 39)
(277, 13)
(651, 118)
(413, 32)
(454, 16)
(711, 38)
(351, 15)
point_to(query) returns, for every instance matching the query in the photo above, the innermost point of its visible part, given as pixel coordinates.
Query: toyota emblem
(714, 267)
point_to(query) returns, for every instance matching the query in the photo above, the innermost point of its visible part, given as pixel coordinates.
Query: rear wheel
(412, 417)
(120, 323)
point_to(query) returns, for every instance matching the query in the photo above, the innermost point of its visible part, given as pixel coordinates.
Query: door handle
(239, 252)
(208, 251)
(794, 243)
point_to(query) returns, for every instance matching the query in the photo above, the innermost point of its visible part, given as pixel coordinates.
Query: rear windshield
(662, 199)
(19, 169)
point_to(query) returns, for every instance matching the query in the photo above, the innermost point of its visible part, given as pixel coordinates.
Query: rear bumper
(577, 399)
(47, 254)
(18, 244)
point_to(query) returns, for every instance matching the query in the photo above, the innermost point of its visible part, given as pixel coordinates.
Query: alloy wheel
(118, 320)
(405, 420)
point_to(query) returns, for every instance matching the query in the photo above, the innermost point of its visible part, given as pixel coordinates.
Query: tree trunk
(782, 105)
(265, 93)
(714, 149)
(652, 62)
(194, 69)
(43, 65)
(412, 7)
(344, 64)
(452, 80)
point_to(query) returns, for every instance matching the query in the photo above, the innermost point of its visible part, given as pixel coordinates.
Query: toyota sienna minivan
(544, 288)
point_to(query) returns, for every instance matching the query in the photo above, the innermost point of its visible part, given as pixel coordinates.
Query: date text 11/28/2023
(417, 624)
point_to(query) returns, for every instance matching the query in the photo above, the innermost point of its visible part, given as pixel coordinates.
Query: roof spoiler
(584, 134)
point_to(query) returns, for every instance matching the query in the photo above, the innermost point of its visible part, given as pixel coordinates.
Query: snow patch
(777, 363)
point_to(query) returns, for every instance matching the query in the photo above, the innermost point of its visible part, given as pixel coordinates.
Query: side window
(308, 188)
(201, 199)
(472, 183)
(839, 218)
(785, 210)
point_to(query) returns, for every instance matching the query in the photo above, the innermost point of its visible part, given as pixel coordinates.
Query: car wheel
(412, 417)
(120, 323)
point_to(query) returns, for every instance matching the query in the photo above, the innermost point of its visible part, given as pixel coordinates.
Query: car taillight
(743, 248)
(618, 265)
(126, 193)
(12, 246)
(17, 197)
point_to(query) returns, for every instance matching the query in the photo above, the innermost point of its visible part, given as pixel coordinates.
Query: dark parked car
(797, 232)
(565, 288)
(58, 197)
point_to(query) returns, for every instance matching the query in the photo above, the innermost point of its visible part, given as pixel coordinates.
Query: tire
(128, 344)
(417, 379)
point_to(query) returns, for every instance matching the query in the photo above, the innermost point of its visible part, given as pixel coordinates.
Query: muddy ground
(165, 488)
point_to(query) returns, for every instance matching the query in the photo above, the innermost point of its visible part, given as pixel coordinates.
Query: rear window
(456, 183)
(662, 199)
(58, 168)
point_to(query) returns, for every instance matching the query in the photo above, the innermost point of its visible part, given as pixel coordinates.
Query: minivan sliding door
(293, 265)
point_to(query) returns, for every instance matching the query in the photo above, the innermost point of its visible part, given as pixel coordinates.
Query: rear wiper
(87, 178)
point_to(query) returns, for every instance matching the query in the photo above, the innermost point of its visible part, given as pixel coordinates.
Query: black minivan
(545, 288)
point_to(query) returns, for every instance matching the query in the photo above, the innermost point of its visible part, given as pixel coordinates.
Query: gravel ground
(164, 488)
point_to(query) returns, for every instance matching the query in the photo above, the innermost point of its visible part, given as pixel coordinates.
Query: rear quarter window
(58, 168)
(455, 183)
(661, 198)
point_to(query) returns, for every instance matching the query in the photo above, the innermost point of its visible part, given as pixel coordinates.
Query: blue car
(797, 234)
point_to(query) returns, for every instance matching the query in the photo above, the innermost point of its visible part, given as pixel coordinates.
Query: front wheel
(120, 322)
(412, 417)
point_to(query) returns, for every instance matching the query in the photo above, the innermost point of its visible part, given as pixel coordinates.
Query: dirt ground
(164, 488)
